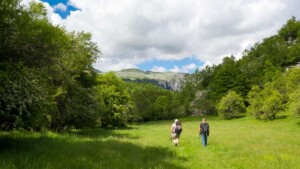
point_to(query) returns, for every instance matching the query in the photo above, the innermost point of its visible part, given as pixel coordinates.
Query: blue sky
(171, 35)
(188, 65)
(64, 10)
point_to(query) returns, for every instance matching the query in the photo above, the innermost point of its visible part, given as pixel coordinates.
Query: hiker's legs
(174, 138)
(177, 138)
(204, 139)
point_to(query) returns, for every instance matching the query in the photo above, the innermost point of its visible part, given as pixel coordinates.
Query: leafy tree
(154, 103)
(200, 79)
(23, 100)
(290, 31)
(203, 103)
(187, 95)
(230, 105)
(113, 99)
(289, 86)
(271, 72)
(227, 76)
(46, 71)
(264, 104)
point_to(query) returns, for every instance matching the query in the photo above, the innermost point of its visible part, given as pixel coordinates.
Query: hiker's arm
(207, 129)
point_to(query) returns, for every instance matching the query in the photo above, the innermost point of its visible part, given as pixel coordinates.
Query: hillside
(167, 80)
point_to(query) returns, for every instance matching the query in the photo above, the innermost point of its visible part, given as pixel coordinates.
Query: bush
(266, 103)
(230, 105)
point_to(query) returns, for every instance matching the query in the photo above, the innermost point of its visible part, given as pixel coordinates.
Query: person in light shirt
(176, 129)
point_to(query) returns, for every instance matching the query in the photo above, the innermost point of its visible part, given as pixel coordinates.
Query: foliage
(276, 95)
(47, 72)
(23, 98)
(113, 99)
(264, 63)
(230, 105)
(153, 103)
(289, 85)
(187, 95)
(264, 104)
(203, 103)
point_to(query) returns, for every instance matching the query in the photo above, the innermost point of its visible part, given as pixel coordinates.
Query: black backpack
(178, 128)
(205, 128)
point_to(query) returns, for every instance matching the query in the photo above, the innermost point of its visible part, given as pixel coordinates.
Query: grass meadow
(239, 143)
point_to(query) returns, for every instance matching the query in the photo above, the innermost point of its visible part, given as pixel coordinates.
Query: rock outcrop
(167, 80)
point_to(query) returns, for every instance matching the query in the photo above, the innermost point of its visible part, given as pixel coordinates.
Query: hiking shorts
(174, 135)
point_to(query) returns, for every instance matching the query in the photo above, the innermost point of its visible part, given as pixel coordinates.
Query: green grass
(239, 143)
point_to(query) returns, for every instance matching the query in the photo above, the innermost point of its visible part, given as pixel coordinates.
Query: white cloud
(175, 69)
(107, 64)
(184, 68)
(206, 63)
(187, 68)
(26, 2)
(60, 6)
(158, 69)
(130, 32)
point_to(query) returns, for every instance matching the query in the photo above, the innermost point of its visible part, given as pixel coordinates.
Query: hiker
(204, 131)
(176, 130)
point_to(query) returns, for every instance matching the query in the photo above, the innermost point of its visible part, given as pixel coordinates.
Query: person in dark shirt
(204, 131)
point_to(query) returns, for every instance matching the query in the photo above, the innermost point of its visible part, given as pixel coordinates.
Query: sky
(171, 35)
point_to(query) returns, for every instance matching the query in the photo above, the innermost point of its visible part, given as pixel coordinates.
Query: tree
(227, 76)
(187, 95)
(113, 99)
(264, 104)
(46, 71)
(151, 102)
(230, 105)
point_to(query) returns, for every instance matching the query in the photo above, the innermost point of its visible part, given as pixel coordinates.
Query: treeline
(122, 102)
(260, 83)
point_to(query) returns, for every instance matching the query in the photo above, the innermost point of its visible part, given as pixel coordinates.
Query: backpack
(205, 128)
(178, 128)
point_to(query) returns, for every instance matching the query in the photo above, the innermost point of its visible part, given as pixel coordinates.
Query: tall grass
(238, 143)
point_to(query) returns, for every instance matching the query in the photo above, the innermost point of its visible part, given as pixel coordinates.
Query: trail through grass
(239, 143)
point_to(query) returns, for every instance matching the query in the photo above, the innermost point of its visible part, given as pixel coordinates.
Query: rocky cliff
(167, 80)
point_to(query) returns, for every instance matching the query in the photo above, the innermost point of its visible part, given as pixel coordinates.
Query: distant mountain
(97, 71)
(167, 80)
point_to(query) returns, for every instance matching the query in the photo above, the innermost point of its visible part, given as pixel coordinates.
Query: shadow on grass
(233, 118)
(239, 116)
(99, 133)
(53, 153)
(281, 117)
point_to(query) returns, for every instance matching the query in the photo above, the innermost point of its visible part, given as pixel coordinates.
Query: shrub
(266, 103)
(230, 105)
